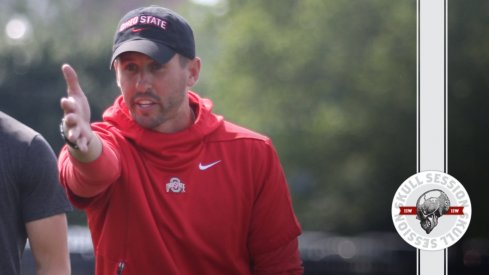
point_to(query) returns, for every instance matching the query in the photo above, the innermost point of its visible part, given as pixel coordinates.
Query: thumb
(71, 78)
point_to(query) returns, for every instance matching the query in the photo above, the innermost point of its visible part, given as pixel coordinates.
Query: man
(168, 186)
(32, 202)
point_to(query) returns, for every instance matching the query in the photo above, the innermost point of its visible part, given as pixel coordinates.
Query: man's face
(154, 93)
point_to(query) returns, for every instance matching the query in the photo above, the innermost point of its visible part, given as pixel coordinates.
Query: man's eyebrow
(125, 59)
(154, 62)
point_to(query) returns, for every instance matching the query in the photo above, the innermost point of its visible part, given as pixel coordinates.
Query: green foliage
(334, 84)
(468, 85)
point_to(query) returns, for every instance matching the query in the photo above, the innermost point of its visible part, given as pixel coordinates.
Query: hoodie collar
(179, 146)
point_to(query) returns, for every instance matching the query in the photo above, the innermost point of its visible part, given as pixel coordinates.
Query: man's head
(155, 66)
(154, 31)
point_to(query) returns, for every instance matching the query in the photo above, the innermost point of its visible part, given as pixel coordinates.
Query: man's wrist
(64, 137)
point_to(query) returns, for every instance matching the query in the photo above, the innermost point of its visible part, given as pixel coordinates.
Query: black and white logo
(431, 210)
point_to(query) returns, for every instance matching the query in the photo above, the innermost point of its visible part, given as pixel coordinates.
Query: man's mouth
(144, 104)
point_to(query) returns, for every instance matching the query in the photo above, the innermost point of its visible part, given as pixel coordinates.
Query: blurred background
(333, 83)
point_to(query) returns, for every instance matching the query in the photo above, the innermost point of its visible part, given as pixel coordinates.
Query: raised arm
(76, 120)
(87, 167)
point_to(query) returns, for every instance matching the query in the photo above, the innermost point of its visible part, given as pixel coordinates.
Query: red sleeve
(274, 227)
(87, 180)
(283, 260)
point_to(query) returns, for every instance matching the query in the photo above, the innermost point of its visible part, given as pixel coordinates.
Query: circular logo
(431, 210)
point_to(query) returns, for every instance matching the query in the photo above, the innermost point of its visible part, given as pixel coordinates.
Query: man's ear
(116, 71)
(193, 68)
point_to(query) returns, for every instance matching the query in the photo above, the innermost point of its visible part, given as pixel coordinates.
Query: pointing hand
(76, 120)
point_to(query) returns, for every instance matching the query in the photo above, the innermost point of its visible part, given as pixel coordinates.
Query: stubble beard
(165, 112)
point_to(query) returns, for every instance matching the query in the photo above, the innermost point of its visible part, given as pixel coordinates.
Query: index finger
(71, 79)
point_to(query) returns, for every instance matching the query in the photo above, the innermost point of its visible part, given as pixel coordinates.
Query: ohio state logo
(175, 186)
(431, 210)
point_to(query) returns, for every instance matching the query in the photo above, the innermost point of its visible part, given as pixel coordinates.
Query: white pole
(432, 108)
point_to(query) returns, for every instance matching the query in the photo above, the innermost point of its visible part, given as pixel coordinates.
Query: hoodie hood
(175, 149)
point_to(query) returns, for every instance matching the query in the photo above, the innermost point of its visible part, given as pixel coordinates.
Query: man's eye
(130, 67)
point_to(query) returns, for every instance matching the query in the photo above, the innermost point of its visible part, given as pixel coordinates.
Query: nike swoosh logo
(203, 167)
(137, 29)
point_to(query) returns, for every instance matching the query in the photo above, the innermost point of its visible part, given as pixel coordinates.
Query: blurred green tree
(468, 123)
(334, 84)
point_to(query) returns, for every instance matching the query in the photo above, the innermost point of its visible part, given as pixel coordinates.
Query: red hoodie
(211, 199)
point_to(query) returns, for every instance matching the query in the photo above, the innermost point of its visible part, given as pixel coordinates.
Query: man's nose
(143, 82)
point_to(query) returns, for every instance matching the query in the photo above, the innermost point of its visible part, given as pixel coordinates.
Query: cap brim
(159, 52)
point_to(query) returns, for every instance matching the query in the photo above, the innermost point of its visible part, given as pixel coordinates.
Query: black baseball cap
(154, 31)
